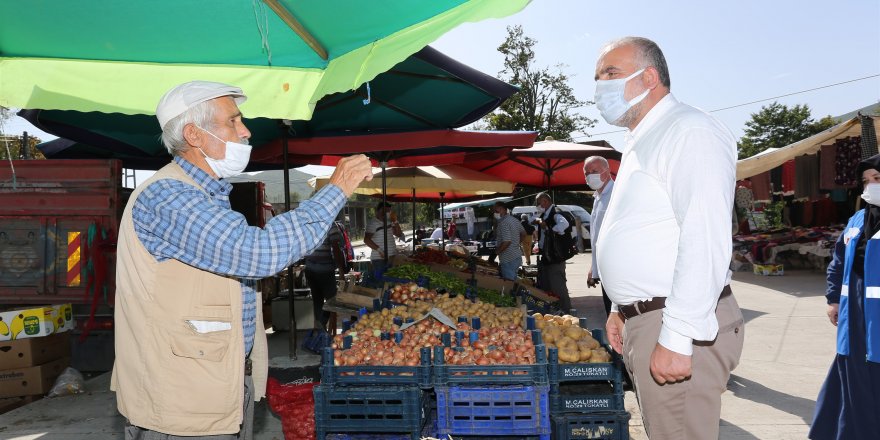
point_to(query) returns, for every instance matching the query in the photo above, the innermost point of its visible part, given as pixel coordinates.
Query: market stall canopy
(427, 182)
(767, 160)
(548, 164)
(118, 57)
(458, 95)
(482, 202)
(406, 149)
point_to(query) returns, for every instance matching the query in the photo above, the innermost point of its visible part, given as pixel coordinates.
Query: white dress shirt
(667, 231)
(600, 205)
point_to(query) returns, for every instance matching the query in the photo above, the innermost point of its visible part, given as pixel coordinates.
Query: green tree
(777, 125)
(545, 102)
(11, 145)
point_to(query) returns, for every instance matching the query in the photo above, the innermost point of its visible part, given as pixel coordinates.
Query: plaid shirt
(176, 221)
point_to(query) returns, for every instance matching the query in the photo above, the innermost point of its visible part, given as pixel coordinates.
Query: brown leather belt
(656, 303)
(248, 367)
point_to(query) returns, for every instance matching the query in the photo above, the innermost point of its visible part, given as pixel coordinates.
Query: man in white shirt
(375, 237)
(666, 245)
(550, 272)
(597, 173)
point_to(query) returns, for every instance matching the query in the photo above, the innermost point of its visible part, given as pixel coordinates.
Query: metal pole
(384, 164)
(414, 219)
(25, 143)
(292, 309)
(442, 225)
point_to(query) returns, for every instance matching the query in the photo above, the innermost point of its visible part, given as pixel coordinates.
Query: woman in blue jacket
(848, 406)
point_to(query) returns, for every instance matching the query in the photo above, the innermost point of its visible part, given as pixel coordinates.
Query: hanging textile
(761, 186)
(827, 169)
(776, 179)
(806, 177)
(848, 158)
(788, 177)
(869, 137)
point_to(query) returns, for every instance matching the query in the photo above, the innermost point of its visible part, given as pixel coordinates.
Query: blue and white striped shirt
(175, 220)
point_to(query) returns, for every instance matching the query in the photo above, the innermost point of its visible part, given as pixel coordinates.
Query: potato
(568, 356)
(567, 343)
(574, 333)
(549, 337)
(592, 343)
(584, 356)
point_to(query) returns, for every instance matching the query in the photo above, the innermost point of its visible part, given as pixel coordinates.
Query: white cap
(187, 95)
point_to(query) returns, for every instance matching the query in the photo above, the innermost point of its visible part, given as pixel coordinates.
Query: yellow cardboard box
(35, 321)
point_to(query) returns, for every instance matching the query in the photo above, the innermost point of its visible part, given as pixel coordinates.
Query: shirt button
(201, 353)
(212, 193)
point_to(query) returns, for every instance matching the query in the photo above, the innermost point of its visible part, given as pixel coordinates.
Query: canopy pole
(384, 164)
(290, 20)
(442, 225)
(292, 342)
(414, 219)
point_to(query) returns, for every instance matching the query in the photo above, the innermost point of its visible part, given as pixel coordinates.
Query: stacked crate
(586, 399)
(353, 400)
(34, 350)
(493, 401)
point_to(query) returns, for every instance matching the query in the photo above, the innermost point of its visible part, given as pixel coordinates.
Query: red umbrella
(548, 164)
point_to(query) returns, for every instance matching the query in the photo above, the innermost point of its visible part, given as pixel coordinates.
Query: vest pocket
(196, 373)
(200, 346)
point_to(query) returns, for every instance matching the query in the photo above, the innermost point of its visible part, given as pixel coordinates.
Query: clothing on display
(806, 177)
(788, 177)
(848, 158)
(761, 186)
(827, 168)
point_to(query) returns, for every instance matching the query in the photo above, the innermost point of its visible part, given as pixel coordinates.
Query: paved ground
(789, 346)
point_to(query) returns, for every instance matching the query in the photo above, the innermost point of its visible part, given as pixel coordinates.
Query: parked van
(576, 211)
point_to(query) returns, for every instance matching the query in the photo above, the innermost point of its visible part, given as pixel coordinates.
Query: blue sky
(720, 54)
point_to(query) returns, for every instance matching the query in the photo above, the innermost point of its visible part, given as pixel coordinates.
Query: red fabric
(788, 175)
(450, 231)
(295, 404)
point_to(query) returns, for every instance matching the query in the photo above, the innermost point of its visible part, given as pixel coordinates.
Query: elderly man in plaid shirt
(191, 353)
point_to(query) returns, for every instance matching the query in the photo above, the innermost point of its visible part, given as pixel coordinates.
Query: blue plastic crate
(364, 375)
(535, 374)
(496, 411)
(585, 398)
(369, 410)
(602, 426)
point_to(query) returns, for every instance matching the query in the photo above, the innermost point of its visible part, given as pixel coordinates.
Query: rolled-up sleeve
(702, 199)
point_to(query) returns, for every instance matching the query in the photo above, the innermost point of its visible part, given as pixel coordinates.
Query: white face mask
(610, 98)
(540, 209)
(872, 194)
(237, 157)
(497, 216)
(594, 181)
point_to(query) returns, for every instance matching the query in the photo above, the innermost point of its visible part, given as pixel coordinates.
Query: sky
(720, 54)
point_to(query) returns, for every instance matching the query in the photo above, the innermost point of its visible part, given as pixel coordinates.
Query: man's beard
(630, 116)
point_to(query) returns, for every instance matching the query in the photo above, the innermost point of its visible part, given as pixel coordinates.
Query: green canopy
(119, 56)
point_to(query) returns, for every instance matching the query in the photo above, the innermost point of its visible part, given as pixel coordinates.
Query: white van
(576, 211)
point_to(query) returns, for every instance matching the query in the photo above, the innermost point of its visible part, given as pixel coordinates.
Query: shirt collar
(607, 189)
(210, 184)
(655, 114)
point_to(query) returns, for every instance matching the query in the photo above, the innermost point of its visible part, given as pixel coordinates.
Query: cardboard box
(358, 296)
(34, 351)
(768, 269)
(35, 321)
(31, 380)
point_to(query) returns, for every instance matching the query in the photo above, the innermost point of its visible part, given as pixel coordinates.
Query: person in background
(850, 397)
(551, 274)
(191, 351)
(509, 233)
(451, 231)
(665, 246)
(597, 173)
(375, 234)
(528, 238)
(437, 234)
(321, 273)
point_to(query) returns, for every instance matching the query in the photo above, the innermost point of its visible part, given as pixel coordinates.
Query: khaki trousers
(526, 244)
(691, 409)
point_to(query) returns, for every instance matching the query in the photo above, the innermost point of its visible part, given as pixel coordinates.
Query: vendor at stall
(374, 237)
(510, 233)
